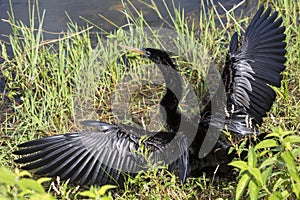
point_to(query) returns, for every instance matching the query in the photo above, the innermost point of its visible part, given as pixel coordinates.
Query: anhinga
(252, 66)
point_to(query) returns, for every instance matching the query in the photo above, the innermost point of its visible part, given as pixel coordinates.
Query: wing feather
(256, 65)
(96, 157)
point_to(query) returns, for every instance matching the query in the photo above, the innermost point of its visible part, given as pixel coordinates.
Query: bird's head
(170, 73)
(155, 55)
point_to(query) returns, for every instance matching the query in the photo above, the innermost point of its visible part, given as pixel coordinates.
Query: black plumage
(252, 65)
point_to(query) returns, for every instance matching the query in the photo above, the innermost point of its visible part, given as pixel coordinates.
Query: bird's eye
(147, 53)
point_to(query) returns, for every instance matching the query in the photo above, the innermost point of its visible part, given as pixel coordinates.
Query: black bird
(251, 66)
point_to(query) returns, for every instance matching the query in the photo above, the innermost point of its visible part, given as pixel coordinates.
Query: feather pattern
(255, 64)
(81, 156)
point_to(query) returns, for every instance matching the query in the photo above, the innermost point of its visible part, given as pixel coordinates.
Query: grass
(51, 85)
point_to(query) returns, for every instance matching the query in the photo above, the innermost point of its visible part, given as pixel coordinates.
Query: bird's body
(99, 157)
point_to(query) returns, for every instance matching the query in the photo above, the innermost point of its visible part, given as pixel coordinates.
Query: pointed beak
(133, 49)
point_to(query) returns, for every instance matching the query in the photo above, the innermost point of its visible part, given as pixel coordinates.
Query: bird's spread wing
(251, 69)
(97, 157)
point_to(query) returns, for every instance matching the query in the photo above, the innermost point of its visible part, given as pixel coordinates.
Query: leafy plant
(17, 186)
(272, 168)
(98, 192)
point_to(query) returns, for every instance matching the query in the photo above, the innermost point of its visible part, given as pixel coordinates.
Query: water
(56, 19)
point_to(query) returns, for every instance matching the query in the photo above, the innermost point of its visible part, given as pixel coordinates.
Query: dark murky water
(56, 18)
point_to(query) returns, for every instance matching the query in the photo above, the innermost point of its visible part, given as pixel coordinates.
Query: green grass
(63, 81)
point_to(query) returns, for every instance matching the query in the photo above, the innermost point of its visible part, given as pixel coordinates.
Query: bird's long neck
(172, 97)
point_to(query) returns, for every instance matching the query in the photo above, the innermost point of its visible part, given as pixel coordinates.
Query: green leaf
(292, 139)
(44, 196)
(253, 190)
(289, 160)
(278, 183)
(266, 174)
(276, 196)
(268, 143)
(268, 162)
(290, 163)
(168, 184)
(271, 135)
(88, 193)
(252, 159)
(257, 175)
(230, 150)
(243, 182)
(43, 179)
(24, 173)
(279, 133)
(296, 190)
(7, 177)
(262, 153)
(30, 184)
(285, 194)
(104, 188)
(239, 164)
(296, 152)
